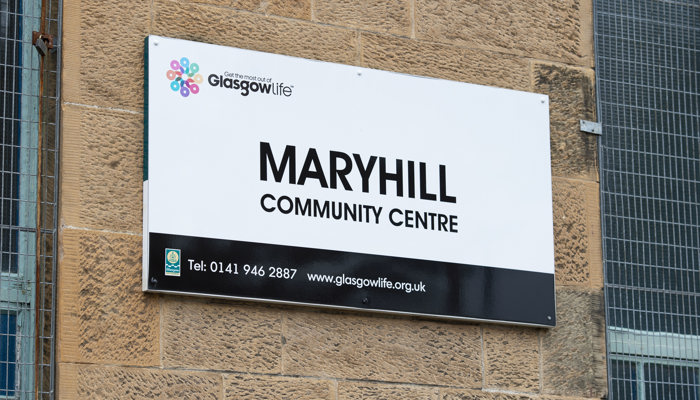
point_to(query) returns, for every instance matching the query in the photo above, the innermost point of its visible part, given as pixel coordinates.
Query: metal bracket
(42, 42)
(595, 128)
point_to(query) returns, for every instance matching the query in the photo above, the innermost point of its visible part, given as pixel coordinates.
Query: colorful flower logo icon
(184, 77)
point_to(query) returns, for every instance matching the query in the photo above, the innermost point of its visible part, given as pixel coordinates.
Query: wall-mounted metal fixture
(43, 42)
(595, 128)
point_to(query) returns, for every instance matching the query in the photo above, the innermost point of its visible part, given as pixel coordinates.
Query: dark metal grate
(647, 73)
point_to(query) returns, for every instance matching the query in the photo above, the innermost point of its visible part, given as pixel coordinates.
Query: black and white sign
(283, 179)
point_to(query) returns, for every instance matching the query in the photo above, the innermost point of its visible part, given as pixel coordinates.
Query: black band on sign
(268, 272)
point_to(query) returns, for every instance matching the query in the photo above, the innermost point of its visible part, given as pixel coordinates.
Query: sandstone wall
(116, 342)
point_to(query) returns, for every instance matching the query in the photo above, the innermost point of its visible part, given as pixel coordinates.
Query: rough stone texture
(362, 391)
(103, 62)
(575, 233)
(573, 353)
(381, 349)
(457, 394)
(243, 387)
(444, 61)
(386, 16)
(289, 8)
(104, 315)
(570, 236)
(286, 8)
(537, 29)
(595, 235)
(104, 383)
(579, 261)
(230, 336)
(229, 27)
(102, 162)
(512, 358)
(572, 98)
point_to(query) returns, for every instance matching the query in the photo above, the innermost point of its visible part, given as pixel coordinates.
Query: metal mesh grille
(28, 210)
(647, 72)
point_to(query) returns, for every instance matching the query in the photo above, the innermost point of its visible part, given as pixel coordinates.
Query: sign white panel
(261, 148)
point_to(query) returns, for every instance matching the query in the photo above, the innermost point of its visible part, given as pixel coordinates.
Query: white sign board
(269, 154)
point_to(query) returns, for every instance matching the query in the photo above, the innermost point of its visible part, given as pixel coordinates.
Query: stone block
(368, 390)
(103, 66)
(512, 358)
(229, 27)
(577, 241)
(571, 99)
(444, 61)
(104, 316)
(381, 349)
(253, 387)
(573, 353)
(287, 8)
(92, 382)
(102, 169)
(251, 5)
(227, 336)
(553, 30)
(458, 394)
(385, 16)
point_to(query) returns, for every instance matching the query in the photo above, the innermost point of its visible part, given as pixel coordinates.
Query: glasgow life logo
(184, 76)
(172, 262)
(247, 84)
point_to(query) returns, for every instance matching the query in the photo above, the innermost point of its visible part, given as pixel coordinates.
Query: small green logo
(172, 262)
